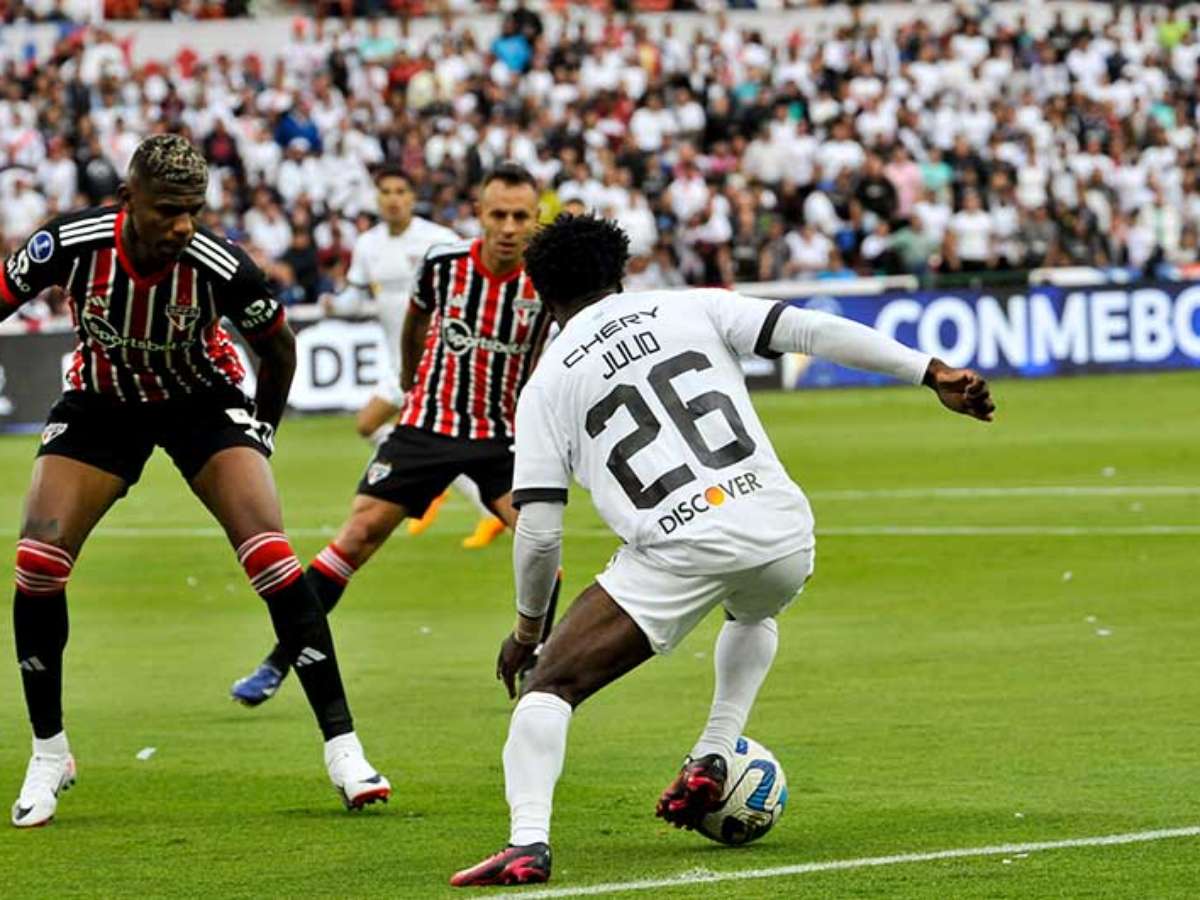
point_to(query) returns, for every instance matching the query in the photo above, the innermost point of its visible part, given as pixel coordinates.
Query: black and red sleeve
(40, 263)
(248, 302)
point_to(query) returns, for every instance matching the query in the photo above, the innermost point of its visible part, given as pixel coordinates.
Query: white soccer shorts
(667, 606)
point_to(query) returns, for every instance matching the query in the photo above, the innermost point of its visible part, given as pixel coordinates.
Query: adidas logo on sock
(308, 656)
(33, 664)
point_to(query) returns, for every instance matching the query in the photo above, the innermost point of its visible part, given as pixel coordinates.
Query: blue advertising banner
(1031, 333)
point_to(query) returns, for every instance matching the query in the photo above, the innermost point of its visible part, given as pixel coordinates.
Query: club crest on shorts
(378, 471)
(53, 430)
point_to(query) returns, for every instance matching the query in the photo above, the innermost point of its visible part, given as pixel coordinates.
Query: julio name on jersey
(641, 397)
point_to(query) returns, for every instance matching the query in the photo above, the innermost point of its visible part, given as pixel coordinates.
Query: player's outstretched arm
(961, 390)
(277, 366)
(852, 344)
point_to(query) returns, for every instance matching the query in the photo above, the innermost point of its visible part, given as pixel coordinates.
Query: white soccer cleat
(45, 777)
(355, 779)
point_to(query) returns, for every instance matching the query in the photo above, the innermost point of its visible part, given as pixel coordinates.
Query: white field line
(705, 877)
(1034, 490)
(969, 531)
(879, 531)
(945, 493)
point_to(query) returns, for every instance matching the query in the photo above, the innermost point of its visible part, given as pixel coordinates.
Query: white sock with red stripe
(533, 760)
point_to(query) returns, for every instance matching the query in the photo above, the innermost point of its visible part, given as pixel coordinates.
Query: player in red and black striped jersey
(153, 367)
(474, 330)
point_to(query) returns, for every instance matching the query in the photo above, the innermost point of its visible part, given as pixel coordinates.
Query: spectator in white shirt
(969, 237)
(809, 253)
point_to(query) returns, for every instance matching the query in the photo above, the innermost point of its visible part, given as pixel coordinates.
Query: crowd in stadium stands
(741, 156)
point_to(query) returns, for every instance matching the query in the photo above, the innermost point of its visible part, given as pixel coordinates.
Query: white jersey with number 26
(642, 398)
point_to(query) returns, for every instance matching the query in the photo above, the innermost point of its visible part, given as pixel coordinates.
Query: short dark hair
(392, 170)
(169, 159)
(512, 174)
(575, 258)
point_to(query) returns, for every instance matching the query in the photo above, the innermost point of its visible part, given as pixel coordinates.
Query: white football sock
(533, 760)
(51, 746)
(470, 490)
(343, 743)
(742, 658)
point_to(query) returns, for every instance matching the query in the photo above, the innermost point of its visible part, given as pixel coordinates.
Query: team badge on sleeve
(378, 471)
(41, 247)
(53, 430)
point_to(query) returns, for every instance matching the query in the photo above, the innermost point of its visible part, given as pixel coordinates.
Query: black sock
(328, 592)
(40, 631)
(307, 645)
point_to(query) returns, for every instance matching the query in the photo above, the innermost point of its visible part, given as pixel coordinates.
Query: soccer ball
(757, 793)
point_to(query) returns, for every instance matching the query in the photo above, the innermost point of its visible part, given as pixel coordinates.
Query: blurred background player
(153, 367)
(720, 523)
(384, 268)
(476, 326)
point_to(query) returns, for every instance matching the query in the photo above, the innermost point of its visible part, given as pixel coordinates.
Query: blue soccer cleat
(257, 687)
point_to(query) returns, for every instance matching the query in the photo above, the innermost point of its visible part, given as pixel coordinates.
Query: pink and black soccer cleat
(512, 865)
(696, 790)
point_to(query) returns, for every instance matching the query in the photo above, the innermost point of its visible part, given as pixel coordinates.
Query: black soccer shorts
(119, 437)
(413, 467)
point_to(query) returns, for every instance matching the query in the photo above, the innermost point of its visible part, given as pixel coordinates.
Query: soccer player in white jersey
(641, 398)
(384, 268)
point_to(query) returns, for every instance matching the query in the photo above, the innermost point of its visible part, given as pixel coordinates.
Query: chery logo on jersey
(704, 501)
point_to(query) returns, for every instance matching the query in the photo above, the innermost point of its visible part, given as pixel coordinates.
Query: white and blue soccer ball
(755, 796)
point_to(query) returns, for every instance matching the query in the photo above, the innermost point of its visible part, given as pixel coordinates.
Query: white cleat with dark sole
(44, 779)
(355, 779)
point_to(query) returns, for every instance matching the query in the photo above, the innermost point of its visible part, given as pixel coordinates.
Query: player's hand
(514, 655)
(961, 390)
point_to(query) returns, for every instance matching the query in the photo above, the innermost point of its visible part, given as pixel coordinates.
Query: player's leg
(405, 475)
(744, 652)
(595, 644)
(489, 527)
(237, 486)
(65, 501)
(420, 524)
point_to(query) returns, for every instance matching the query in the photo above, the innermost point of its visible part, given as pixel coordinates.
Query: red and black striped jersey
(484, 335)
(143, 338)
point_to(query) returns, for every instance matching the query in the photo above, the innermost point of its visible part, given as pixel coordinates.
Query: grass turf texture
(929, 693)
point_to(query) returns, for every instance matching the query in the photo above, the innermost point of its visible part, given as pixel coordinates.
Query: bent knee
(567, 686)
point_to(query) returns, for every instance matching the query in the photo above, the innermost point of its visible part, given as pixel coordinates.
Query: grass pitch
(966, 669)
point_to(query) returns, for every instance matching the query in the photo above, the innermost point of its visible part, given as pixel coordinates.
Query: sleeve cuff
(539, 495)
(762, 347)
(271, 330)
